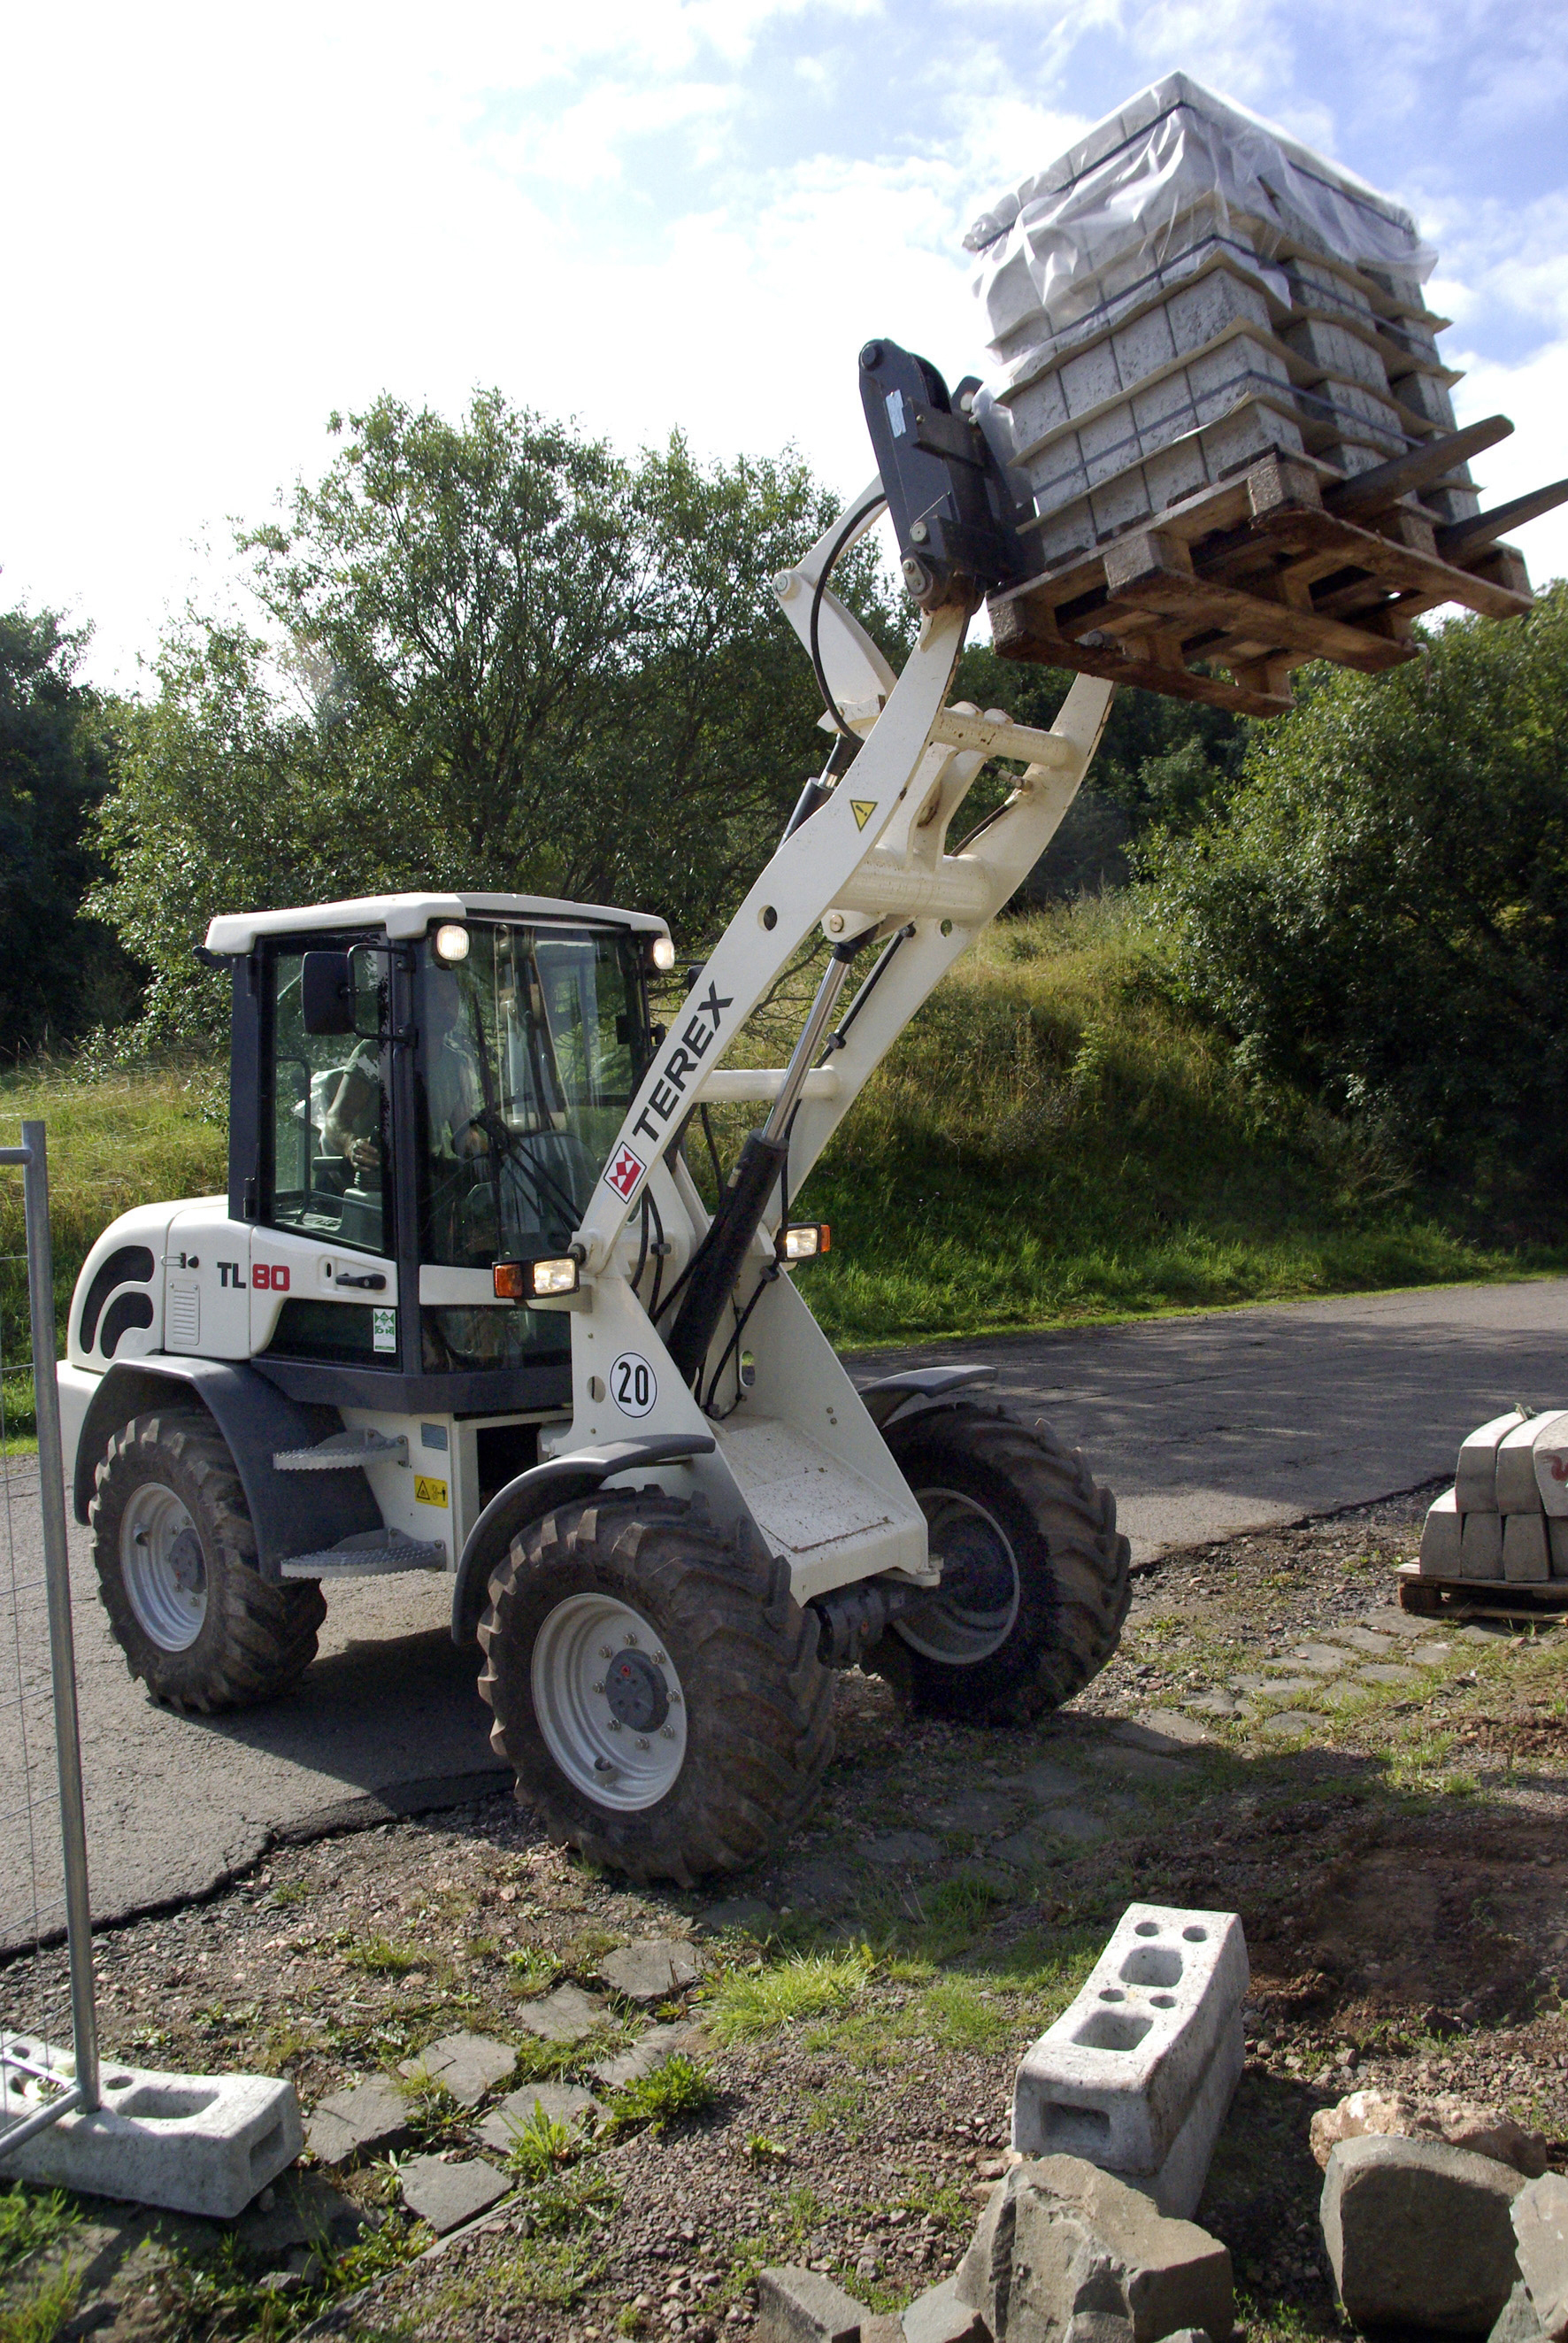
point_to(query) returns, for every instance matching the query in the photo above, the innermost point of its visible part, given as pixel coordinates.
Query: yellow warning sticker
(428, 1492)
(862, 809)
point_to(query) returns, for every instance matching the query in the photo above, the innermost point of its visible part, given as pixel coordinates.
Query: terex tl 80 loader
(463, 1308)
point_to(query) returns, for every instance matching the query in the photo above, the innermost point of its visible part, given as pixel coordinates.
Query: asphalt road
(1203, 1426)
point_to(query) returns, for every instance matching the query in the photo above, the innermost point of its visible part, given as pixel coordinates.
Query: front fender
(531, 1496)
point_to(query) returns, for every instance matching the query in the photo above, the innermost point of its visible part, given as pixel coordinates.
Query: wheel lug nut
(640, 1742)
(606, 1651)
(669, 1733)
(599, 1688)
(660, 1660)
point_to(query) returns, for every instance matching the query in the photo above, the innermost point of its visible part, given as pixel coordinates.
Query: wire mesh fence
(48, 2053)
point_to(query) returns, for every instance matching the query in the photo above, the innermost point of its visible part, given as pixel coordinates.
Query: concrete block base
(191, 2143)
(1137, 2075)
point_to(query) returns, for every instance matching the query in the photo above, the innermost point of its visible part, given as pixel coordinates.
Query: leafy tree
(487, 654)
(59, 972)
(1382, 915)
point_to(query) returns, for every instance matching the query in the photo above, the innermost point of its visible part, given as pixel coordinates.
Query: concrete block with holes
(200, 2144)
(1137, 2075)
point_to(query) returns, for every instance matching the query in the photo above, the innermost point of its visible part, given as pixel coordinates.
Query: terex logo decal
(625, 1173)
(693, 1044)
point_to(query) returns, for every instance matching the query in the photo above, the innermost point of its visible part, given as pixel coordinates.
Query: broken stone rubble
(1540, 2219)
(1458, 2123)
(1386, 2202)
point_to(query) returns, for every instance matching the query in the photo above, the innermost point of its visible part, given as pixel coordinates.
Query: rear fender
(292, 1513)
(920, 1391)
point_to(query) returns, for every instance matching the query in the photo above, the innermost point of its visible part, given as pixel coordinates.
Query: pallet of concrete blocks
(1218, 389)
(1505, 1519)
(1136, 2076)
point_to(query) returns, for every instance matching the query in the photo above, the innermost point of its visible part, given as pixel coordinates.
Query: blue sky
(646, 213)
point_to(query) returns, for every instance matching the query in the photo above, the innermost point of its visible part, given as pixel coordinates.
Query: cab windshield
(530, 1048)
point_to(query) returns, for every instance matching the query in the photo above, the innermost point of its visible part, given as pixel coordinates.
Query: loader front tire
(175, 1553)
(655, 1687)
(1035, 1583)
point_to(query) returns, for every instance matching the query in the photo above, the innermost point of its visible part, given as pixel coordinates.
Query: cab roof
(233, 934)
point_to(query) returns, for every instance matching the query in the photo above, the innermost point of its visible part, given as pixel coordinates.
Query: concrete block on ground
(801, 2306)
(569, 2014)
(368, 2121)
(562, 2103)
(190, 2143)
(1062, 2240)
(1481, 1546)
(653, 1970)
(447, 2195)
(1526, 1554)
(938, 2317)
(306, 2210)
(747, 1912)
(1475, 1479)
(1518, 1480)
(658, 2044)
(1387, 2202)
(1439, 1537)
(1137, 2075)
(1539, 2223)
(464, 2065)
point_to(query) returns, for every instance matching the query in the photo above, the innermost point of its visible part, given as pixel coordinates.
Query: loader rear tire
(655, 1686)
(175, 1553)
(1036, 1586)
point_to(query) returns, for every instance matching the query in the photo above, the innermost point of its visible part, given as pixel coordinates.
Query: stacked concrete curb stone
(1185, 291)
(1505, 1519)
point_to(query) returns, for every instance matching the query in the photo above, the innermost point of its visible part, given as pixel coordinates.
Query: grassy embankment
(1048, 1143)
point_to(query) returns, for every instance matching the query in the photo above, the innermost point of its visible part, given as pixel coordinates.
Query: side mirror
(327, 992)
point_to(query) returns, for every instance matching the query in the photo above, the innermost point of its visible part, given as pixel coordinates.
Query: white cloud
(1531, 395)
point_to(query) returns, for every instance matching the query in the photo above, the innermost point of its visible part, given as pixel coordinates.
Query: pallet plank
(1261, 573)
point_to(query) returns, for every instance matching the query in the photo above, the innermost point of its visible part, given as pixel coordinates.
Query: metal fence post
(34, 2059)
(58, 1578)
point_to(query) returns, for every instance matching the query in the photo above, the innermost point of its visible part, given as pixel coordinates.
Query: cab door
(323, 1275)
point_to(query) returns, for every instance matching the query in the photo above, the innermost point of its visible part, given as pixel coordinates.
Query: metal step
(342, 1452)
(369, 1553)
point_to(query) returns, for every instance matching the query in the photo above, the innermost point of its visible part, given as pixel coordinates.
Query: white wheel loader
(463, 1309)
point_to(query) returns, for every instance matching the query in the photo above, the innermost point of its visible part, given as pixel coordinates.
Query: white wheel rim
(973, 1614)
(163, 1566)
(609, 1702)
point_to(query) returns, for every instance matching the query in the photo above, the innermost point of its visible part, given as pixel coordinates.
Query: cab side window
(329, 1121)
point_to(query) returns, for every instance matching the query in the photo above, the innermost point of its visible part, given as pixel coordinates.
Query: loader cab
(406, 1110)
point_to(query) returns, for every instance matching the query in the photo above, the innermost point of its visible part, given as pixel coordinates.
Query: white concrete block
(1440, 1538)
(1475, 1480)
(1137, 2075)
(1518, 1481)
(192, 2143)
(1481, 1546)
(1557, 1537)
(1527, 1557)
(1550, 1460)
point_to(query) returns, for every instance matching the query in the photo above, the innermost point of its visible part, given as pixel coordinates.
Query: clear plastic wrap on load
(1155, 193)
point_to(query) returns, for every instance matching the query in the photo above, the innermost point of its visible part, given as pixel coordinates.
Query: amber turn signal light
(534, 1280)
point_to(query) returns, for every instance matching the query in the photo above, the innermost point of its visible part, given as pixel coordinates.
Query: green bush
(1381, 915)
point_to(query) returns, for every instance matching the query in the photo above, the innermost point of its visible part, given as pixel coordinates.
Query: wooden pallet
(1545, 1600)
(1263, 572)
